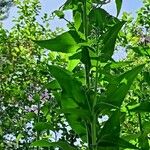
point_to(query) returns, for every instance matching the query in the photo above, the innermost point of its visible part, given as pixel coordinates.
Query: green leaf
(59, 14)
(41, 143)
(114, 65)
(100, 18)
(76, 55)
(109, 40)
(71, 4)
(72, 97)
(41, 126)
(72, 64)
(82, 113)
(70, 86)
(111, 129)
(142, 50)
(114, 145)
(110, 134)
(77, 19)
(141, 107)
(53, 85)
(65, 43)
(19, 136)
(147, 77)
(30, 115)
(60, 144)
(143, 142)
(118, 5)
(118, 89)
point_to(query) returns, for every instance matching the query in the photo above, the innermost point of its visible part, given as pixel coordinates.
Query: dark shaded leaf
(141, 107)
(30, 115)
(118, 5)
(100, 18)
(142, 50)
(41, 126)
(143, 142)
(111, 130)
(112, 145)
(147, 77)
(109, 40)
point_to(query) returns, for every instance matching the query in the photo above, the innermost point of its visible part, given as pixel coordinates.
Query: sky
(48, 6)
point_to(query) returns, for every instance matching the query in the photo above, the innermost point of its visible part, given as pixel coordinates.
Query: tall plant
(89, 45)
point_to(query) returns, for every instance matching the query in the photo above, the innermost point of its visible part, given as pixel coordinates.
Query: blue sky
(48, 6)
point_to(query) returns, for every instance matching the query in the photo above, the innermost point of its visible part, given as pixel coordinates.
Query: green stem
(86, 39)
(38, 120)
(93, 129)
(140, 122)
(92, 144)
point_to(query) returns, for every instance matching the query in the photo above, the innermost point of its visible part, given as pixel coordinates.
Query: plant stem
(92, 144)
(86, 39)
(38, 119)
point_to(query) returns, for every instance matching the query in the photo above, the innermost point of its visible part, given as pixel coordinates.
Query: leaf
(118, 5)
(110, 134)
(114, 145)
(71, 4)
(143, 142)
(101, 18)
(41, 143)
(59, 14)
(76, 55)
(111, 129)
(63, 145)
(77, 19)
(141, 107)
(108, 41)
(72, 97)
(41, 126)
(30, 115)
(85, 59)
(70, 86)
(114, 65)
(82, 113)
(53, 85)
(118, 89)
(65, 43)
(60, 144)
(72, 64)
(142, 50)
(147, 77)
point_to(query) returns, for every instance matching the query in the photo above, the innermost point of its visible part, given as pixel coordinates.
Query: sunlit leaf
(65, 43)
(118, 89)
(71, 86)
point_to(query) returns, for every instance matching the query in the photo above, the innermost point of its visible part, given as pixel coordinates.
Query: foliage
(68, 83)
(4, 8)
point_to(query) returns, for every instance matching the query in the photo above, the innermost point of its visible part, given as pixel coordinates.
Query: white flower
(103, 119)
